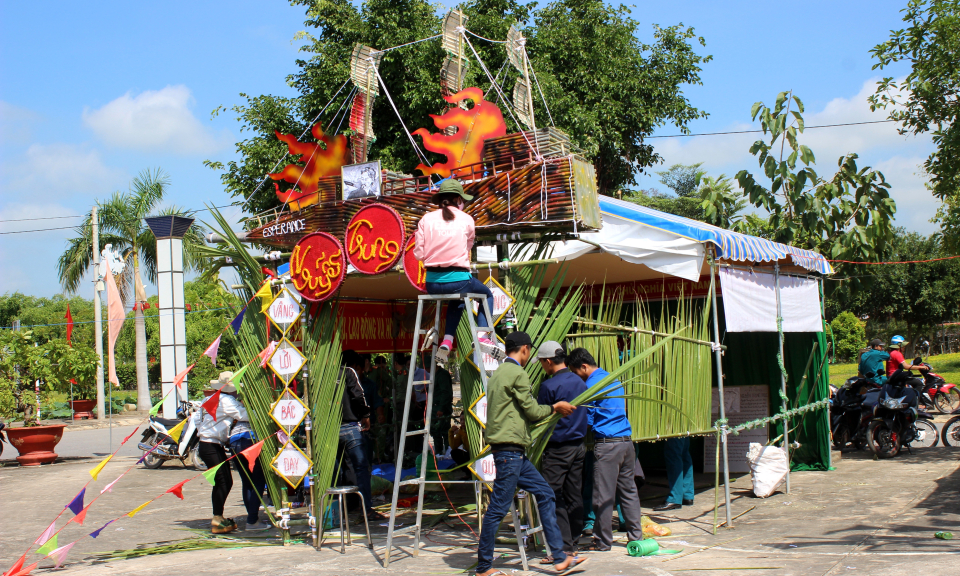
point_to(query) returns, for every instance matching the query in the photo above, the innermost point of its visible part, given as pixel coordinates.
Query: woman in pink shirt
(443, 242)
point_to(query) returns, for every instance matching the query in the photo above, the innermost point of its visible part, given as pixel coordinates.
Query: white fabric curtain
(750, 302)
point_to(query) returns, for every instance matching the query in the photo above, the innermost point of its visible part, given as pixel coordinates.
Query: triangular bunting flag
(97, 532)
(156, 408)
(282, 437)
(265, 354)
(69, 318)
(129, 437)
(238, 374)
(50, 531)
(133, 512)
(76, 505)
(178, 379)
(109, 487)
(211, 351)
(209, 474)
(16, 566)
(60, 554)
(26, 570)
(48, 546)
(211, 404)
(252, 453)
(178, 489)
(176, 431)
(80, 517)
(100, 466)
(236, 322)
(268, 272)
(265, 296)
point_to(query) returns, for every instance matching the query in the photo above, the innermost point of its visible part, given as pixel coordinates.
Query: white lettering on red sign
(283, 228)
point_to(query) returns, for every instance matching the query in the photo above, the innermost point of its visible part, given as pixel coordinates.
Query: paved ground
(867, 517)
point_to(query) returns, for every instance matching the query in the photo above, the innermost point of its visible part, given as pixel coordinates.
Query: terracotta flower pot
(82, 408)
(35, 444)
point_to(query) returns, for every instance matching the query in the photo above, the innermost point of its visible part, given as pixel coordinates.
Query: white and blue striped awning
(730, 245)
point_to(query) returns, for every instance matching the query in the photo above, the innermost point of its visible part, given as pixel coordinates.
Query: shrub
(849, 334)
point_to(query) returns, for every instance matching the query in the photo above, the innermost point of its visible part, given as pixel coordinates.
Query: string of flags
(48, 541)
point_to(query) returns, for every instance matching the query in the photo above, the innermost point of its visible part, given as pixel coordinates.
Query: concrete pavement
(869, 516)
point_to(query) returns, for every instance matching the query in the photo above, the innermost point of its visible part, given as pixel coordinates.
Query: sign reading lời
(291, 464)
(286, 361)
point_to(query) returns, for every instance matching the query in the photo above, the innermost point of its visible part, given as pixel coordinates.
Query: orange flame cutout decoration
(474, 126)
(320, 162)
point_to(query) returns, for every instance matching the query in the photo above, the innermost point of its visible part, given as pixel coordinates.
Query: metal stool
(340, 492)
(528, 503)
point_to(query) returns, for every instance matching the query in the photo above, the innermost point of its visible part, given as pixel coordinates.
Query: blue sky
(91, 93)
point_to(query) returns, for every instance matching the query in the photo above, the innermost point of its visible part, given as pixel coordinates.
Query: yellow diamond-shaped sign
(284, 310)
(288, 411)
(483, 467)
(479, 410)
(489, 362)
(502, 300)
(291, 464)
(286, 361)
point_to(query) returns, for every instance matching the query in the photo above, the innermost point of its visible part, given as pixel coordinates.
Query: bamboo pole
(783, 377)
(719, 365)
(622, 328)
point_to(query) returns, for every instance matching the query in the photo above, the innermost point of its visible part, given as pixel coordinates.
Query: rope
(542, 97)
(397, 112)
(285, 154)
(499, 92)
(407, 44)
(901, 262)
(482, 38)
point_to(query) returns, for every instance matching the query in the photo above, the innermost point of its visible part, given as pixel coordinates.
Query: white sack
(768, 468)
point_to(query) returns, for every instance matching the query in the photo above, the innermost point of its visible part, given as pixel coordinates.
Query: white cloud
(154, 121)
(58, 171)
(878, 145)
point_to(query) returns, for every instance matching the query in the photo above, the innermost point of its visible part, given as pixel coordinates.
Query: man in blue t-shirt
(562, 462)
(872, 362)
(614, 468)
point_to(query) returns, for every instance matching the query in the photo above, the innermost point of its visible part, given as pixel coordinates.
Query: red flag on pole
(69, 318)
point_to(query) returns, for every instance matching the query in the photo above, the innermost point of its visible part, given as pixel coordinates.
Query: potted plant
(27, 369)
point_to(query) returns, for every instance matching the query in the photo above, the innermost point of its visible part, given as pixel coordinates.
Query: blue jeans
(455, 309)
(515, 471)
(352, 444)
(253, 483)
(679, 470)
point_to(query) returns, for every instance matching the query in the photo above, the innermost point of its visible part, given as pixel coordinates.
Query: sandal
(593, 547)
(577, 563)
(224, 527)
(547, 560)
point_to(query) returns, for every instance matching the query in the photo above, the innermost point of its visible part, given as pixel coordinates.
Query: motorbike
(936, 392)
(895, 420)
(950, 433)
(846, 412)
(2, 437)
(159, 446)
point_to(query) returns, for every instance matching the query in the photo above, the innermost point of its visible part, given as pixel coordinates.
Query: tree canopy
(604, 87)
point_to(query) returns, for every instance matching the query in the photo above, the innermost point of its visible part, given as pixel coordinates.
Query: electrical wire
(118, 221)
(45, 218)
(764, 131)
(891, 263)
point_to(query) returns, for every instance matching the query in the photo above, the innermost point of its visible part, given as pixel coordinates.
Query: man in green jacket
(511, 407)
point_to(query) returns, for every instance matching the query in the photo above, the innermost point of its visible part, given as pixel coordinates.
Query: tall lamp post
(169, 232)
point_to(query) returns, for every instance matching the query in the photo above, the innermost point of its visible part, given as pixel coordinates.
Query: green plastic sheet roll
(648, 547)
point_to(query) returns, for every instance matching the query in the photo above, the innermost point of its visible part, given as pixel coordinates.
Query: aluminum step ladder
(468, 300)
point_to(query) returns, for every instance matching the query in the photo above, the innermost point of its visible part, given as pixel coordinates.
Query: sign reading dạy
(317, 266)
(291, 464)
(373, 239)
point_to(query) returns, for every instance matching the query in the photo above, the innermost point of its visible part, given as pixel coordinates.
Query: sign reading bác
(317, 266)
(288, 411)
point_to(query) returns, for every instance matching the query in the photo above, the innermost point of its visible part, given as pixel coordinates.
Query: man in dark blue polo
(562, 462)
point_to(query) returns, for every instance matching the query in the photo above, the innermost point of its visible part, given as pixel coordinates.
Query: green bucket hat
(451, 186)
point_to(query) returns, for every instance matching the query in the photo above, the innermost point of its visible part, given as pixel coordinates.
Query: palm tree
(122, 225)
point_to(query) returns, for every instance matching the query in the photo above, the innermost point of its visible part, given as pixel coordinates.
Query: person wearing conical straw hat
(214, 434)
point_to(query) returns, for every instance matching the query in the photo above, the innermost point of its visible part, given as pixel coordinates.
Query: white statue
(108, 256)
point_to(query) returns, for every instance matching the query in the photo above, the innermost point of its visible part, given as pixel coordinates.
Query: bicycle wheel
(927, 436)
(951, 432)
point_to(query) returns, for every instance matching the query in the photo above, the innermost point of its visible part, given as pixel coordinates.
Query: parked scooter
(160, 446)
(851, 409)
(896, 421)
(936, 392)
(2, 437)
(951, 430)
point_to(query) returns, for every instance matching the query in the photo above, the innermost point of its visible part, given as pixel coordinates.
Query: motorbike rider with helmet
(897, 361)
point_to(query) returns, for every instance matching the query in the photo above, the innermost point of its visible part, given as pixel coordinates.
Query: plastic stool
(341, 492)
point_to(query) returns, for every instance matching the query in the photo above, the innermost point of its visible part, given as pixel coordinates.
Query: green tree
(122, 225)
(849, 335)
(46, 316)
(605, 88)
(927, 99)
(848, 217)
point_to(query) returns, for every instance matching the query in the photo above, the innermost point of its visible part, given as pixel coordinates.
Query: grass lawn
(946, 365)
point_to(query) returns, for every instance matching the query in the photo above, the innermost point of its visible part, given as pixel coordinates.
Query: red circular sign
(317, 266)
(414, 269)
(373, 239)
